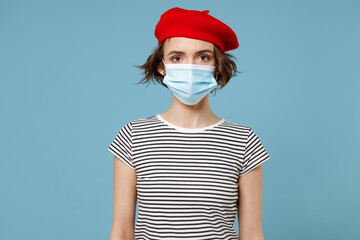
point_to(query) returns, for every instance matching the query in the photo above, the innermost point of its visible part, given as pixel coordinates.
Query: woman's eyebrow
(175, 52)
(205, 51)
(198, 52)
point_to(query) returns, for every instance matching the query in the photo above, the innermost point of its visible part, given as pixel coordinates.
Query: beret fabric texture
(178, 22)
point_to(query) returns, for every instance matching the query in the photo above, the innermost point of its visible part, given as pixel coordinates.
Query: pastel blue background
(68, 86)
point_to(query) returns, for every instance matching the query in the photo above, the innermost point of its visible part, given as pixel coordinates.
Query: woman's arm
(250, 205)
(124, 202)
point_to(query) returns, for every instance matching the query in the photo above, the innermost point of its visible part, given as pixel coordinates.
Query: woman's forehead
(186, 44)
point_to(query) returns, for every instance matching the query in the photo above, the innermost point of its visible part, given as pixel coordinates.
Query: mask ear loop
(213, 92)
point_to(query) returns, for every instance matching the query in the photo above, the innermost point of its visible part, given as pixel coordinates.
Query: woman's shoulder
(141, 121)
(236, 125)
(241, 129)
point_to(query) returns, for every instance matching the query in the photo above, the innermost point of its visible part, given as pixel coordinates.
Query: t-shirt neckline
(181, 129)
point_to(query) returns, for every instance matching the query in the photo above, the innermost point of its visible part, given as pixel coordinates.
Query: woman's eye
(204, 58)
(176, 59)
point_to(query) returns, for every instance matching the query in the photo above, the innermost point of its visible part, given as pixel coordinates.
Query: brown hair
(224, 70)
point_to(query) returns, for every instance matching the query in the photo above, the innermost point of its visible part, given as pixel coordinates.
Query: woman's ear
(161, 69)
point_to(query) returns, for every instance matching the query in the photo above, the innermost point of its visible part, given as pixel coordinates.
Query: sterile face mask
(190, 82)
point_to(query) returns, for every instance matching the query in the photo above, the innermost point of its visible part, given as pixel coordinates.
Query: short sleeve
(255, 153)
(121, 146)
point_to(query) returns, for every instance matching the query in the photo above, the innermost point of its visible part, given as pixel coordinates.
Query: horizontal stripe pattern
(187, 180)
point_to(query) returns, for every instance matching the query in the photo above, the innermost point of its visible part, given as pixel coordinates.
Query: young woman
(190, 170)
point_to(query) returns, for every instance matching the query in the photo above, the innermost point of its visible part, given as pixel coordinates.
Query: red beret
(178, 22)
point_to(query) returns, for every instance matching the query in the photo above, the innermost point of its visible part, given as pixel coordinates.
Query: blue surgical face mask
(190, 82)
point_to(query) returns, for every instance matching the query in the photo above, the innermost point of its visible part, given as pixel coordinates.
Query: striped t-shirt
(187, 178)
